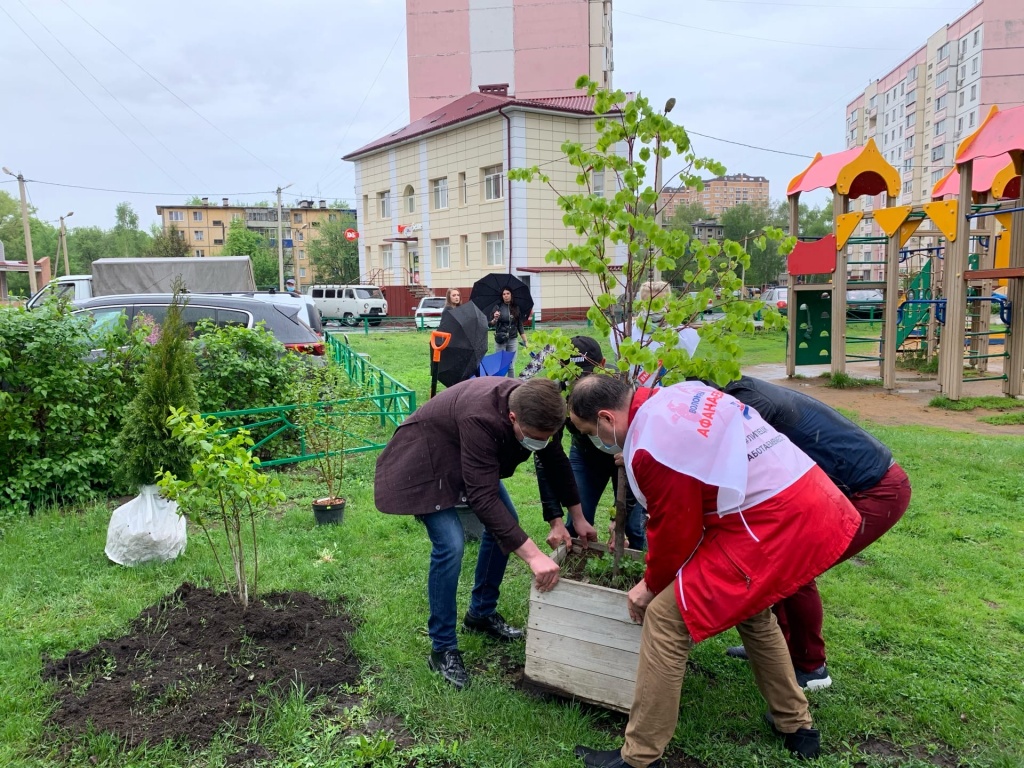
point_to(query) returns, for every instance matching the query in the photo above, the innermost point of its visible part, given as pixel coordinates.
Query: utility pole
(63, 241)
(743, 268)
(280, 241)
(654, 274)
(32, 287)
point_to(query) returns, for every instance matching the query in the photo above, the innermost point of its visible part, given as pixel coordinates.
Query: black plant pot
(329, 511)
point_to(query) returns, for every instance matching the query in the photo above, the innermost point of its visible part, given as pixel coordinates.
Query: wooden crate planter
(581, 643)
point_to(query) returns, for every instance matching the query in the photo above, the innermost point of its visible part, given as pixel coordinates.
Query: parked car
(284, 320)
(428, 313)
(865, 303)
(777, 299)
(349, 303)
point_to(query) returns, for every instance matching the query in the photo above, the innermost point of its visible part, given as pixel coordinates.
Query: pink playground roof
(985, 171)
(853, 172)
(999, 133)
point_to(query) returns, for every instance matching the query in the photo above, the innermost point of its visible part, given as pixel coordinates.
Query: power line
(748, 146)
(192, 109)
(365, 96)
(753, 37)
(86, 97)
(137, 192)
(112, 95)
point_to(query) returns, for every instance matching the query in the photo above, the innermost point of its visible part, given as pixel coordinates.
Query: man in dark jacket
(455, 450)
(861, 467)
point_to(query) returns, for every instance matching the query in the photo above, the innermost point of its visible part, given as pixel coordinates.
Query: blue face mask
(601, 445)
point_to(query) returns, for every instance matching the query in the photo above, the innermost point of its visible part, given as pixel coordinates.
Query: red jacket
(721, 573)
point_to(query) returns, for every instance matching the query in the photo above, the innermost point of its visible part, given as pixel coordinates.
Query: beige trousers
(664, 647)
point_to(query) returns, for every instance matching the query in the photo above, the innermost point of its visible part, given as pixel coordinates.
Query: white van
(349, 303)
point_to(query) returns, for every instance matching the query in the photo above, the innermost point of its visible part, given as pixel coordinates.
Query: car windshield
(437, 303)
(369, 293)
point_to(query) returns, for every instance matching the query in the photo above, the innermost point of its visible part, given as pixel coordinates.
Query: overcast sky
(223, 97)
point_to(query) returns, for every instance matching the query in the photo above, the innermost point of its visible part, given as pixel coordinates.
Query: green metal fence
(365, 423)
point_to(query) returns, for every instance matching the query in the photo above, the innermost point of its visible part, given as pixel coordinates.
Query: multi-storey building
(719, 194)
(920, 111)
(436, 209)
(204, 227)
(538, 47)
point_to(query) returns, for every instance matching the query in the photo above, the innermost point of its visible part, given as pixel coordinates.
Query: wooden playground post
(892, 292)
(954, 288)
(792, 310)
(1014, 361)
(840, 205)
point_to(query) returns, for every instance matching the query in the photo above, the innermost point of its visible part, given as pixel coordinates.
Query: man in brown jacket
(455, 450)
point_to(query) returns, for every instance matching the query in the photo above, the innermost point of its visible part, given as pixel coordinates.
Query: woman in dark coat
(507, 322)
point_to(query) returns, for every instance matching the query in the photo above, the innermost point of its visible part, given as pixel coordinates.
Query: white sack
(146, 529)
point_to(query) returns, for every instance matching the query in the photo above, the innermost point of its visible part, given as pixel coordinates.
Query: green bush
(241, 368)
(59, 411)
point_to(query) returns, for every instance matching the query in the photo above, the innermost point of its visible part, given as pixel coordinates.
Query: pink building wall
(1002, 73)
(538, 47)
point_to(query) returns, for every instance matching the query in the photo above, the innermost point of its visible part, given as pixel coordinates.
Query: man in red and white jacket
(739, 518)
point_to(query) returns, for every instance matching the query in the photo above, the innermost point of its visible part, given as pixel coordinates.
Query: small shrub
(145, 448)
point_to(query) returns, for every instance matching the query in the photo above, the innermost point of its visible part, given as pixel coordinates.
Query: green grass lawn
(924, 629)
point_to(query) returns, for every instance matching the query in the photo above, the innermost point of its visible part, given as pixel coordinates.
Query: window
(410, 199)
(175, 215)
(439, 190)
(942, 78)
(442, 256)
(938, 152)
(494, 246)
(302, 254)
(910, 142)
(974, 65)
(911, 119)
(940, 127)
(493, 183)
(216, 223)
(963, 73)
(960, 101)
(963, 45)
(302, 271)
(974, 92)
(200, 253)
(332, 217)
(873, 102)
(463, 190)
(386, 257)
(940, 103)
(464, 244)
(970, 121)
(218, 241)
(236, 217)
(301, 237)
(197, 215)
(960, 125)
(908, 186)
(936, 175)
(943, 52)
(977, 34)
(298, 218)
(197, 234)
(384, 204)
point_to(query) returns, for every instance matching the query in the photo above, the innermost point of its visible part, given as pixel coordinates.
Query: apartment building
(204, 227)
(436, 209)
(719, 194)
(920, 111)
(538, 47)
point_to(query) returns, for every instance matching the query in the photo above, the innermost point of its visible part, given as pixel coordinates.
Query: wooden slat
(579, 654)
(584, 598)
(597, 546)
(585, 626)
(592, 687)
(993, 274)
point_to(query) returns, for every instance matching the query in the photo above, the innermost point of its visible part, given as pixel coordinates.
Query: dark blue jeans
(592, 474)
(448, 543)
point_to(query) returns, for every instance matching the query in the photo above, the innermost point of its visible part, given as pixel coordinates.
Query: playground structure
(955, 283)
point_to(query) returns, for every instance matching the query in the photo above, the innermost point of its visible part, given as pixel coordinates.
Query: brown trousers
(664, 647)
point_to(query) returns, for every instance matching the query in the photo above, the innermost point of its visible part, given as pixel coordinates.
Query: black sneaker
(736, 652)
(805, 743)
(451, 667)
(814, 680)
(494, 625)
(610, 758)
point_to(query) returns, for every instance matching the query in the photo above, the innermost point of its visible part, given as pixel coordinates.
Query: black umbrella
(463, 332)
(487, 293)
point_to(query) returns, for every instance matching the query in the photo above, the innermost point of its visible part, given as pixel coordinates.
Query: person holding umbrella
(507, 321)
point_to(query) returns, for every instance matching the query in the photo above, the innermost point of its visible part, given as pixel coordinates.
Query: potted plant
(581, 640)
(320, 415)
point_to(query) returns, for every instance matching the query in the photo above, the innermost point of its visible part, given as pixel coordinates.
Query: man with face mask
(455, 449)
(729, 502)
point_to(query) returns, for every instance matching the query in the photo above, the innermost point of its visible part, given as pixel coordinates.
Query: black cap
(589, 353)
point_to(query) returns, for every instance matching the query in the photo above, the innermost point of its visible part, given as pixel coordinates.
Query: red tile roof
(474, 105)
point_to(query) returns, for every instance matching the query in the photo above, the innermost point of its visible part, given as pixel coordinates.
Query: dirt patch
(875, 747)
(194, 663)
(907, 405)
